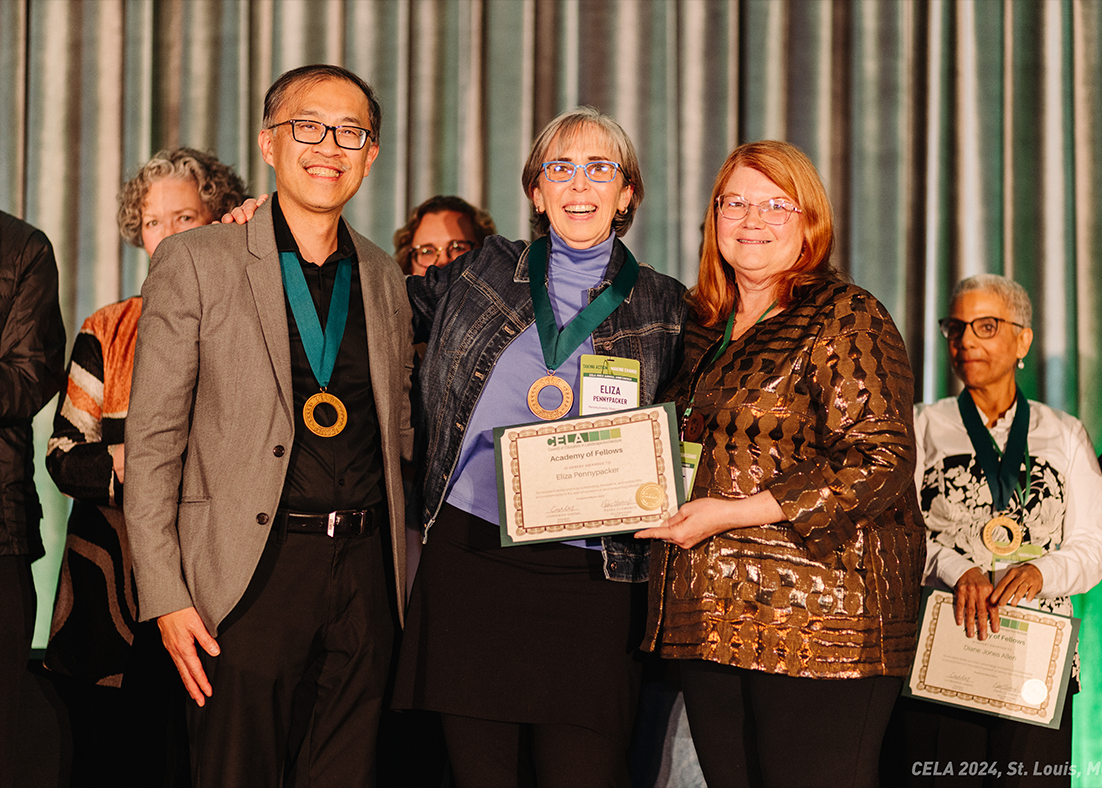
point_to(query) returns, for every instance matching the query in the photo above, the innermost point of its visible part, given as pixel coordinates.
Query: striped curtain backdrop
(954, 136)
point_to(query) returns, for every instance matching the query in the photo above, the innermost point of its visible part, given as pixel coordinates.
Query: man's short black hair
(310, 75)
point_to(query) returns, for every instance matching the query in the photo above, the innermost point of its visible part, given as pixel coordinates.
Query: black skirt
(529, 634)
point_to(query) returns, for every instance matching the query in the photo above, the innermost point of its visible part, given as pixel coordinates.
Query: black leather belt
(345, 522)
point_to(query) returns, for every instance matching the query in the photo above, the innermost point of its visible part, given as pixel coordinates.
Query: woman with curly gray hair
(174, 191)
(130, 732)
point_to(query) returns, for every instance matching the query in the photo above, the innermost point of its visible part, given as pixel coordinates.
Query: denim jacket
(471, 310)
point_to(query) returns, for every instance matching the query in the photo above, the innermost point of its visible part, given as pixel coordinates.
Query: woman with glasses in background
(438, 231)
(1030, 537)
(528, 650)
(787, 586)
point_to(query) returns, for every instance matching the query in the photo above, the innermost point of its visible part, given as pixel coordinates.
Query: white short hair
(1013, 294)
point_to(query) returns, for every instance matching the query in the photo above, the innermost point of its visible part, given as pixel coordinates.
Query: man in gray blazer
(268, 419)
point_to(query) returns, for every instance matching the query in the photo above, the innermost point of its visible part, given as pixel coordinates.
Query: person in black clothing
(32, 370)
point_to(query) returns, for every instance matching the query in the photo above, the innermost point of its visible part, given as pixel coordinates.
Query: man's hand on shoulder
(180, 631)
(243, 212)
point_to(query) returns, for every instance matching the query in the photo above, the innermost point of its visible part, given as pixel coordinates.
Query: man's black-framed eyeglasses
(983, 327)
(311, 132)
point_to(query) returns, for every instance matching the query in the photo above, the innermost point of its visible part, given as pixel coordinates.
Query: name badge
(690, 461)
(608, 384)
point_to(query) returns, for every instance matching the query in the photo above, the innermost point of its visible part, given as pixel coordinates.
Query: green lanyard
(558, 345)
(1000, 468)
(715, 357)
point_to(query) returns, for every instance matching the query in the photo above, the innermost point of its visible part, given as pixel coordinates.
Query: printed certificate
(590, 476)
(1020, 673)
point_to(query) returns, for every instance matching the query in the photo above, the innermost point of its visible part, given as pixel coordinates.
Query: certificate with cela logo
(590, 476)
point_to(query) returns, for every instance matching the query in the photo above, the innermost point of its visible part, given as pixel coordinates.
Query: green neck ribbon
(1001, 472)
(321, 349)
(558, 345)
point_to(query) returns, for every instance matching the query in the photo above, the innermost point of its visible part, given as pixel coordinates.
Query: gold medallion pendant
(311, 422)
(992, 529)
(542, 412)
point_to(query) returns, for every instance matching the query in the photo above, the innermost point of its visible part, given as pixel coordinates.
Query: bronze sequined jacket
(813, 405)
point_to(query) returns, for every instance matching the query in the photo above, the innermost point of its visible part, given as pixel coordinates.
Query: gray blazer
(211, 402)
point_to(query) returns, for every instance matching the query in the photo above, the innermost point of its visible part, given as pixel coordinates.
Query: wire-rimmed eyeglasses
(311, 132)
(983, 327)
(428, 254)
(773, 211)
(596, 171)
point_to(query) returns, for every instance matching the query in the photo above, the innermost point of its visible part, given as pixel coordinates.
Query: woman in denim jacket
(529, 651)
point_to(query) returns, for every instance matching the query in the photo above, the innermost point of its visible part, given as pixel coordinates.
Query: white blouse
(1062, 514)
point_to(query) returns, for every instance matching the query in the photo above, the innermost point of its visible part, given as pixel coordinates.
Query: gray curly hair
(220, 188)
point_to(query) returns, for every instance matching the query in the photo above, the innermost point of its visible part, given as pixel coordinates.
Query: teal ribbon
(321, 349)
(558, 345)
(1000, 469)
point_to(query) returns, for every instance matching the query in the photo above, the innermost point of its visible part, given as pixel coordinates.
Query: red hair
(716, 292)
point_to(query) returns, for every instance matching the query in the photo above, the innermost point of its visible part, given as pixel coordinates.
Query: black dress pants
(299, 684)
(17, 609)
(752, 728)
(937, 746)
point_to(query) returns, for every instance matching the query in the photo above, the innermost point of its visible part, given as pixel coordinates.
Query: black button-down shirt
(346, 470)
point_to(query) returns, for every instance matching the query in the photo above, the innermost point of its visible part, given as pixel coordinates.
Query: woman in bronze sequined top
(788, 585)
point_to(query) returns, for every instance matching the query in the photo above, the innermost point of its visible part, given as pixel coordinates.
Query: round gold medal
(311, 422)
(994, 528)
(534, 401)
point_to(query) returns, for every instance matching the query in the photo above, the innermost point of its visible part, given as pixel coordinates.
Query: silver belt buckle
(332, 529)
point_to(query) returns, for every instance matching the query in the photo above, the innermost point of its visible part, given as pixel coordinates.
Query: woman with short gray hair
(528, 651)
(1030, 538)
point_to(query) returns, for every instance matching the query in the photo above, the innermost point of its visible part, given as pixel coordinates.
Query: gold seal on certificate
(312, 423)
(650, 496)
(1034, 691)
(995, 528)
(609, 473)
(551, 381)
